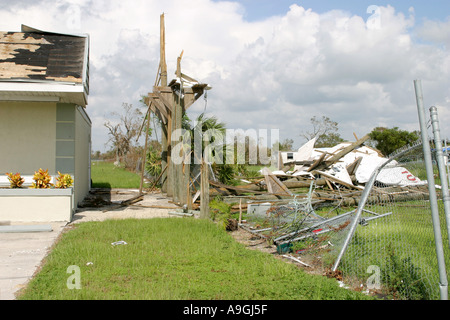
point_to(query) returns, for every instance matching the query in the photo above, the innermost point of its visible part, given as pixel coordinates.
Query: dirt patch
(253, 242)
(102, 204)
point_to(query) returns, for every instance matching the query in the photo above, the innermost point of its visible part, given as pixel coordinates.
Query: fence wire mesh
(392, 253)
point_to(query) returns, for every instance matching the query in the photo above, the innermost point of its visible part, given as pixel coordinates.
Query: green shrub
(220, 212)
(404, 278)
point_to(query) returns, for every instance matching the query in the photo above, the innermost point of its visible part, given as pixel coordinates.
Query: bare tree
(122, 134)
(325, 130)
(320, 127)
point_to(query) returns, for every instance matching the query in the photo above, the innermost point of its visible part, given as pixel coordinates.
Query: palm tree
(212, 131)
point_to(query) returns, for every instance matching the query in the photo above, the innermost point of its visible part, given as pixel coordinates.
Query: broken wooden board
(351, 169)
(316, 163)
(274, 185)
(335, 158)
(240, 190)
(334, 179)
(132, 200)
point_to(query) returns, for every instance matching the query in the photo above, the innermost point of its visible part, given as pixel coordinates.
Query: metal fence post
(362, 202)
(441, 166)
(443, 286)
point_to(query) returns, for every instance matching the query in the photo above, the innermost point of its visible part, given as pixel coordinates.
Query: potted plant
(41, 179)
(63, 181)
(15, 179)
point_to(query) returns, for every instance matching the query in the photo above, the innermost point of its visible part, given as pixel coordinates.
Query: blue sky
(260, 9)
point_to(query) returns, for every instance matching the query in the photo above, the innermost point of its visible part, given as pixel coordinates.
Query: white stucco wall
(43, 135)
(27, 136)
(36, 205)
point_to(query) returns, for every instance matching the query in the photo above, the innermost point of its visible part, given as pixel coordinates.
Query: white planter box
(36, 205)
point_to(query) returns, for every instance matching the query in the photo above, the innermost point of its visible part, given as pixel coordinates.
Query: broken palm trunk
(169, 101)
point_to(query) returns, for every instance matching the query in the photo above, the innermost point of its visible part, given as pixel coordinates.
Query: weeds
(403, 278)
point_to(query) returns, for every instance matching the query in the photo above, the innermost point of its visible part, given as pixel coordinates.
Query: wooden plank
(204, 191)
(351, 168)
(317, 162)
(164, 89)
(168, 104)
(160, 106)
(132, 200)
(184, 76)
(160, 116)
(332, 178)
(189, 100)
(162, 51)
(329, 184)
(144, 155)
(238, 189)
(274, 185)
(159, 177)
(342, 153)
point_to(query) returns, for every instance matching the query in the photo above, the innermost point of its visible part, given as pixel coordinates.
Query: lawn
(403, 246)
(170, 259)
(106, 175)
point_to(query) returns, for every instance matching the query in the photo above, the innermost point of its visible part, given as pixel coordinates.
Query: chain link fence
(389, 239)
(392, 253)
(395, 256)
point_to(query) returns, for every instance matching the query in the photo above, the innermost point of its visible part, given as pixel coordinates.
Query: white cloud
(273, 73)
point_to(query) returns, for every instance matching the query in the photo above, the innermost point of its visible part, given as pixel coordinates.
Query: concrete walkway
(20, 256)
(22, 253)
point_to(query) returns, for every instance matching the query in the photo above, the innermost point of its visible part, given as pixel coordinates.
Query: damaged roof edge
(25, 28)
(85, 79)
(22, 87)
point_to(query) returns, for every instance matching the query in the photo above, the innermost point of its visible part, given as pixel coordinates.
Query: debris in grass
(117, 243)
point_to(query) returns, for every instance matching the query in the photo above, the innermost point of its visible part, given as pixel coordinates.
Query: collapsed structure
(313, 224)
(339, 173)
(348, 164)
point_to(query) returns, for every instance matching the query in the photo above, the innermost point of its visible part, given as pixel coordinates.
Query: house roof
(44, 58)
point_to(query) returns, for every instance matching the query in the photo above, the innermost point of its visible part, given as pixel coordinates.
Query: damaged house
(44, 87)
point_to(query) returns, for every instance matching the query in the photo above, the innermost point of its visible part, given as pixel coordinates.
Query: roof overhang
(43, 91)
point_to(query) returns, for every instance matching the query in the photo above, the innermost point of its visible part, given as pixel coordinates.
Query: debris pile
(348, 164)
(339, 175)
(306, 207)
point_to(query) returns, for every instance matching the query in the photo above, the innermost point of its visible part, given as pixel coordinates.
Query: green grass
(403, 246)
(175, 258)
(107, 175)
